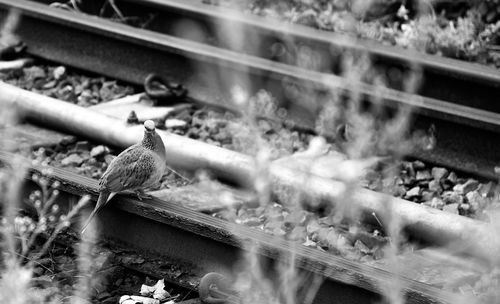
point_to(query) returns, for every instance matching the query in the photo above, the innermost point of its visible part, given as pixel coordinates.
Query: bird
(139, 167)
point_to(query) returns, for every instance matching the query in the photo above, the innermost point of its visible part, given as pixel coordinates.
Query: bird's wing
(130, 170)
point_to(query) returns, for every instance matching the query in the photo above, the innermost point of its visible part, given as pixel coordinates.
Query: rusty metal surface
(210, 73)
(434, 226)
(216, 245)
(455, 81)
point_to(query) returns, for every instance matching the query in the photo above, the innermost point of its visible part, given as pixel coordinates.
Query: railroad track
(473, 85)
(461, 128)
(150, 223)
(465, 128)
(215, 245)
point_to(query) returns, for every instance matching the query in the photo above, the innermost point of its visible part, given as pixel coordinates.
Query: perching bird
(138, 167)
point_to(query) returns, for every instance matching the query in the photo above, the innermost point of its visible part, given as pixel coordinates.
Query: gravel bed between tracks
(433, 186)
(66, 84)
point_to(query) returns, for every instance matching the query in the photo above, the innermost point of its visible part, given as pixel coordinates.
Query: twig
(376, 218)
(35, 262)
(116, 9)
(180, 175)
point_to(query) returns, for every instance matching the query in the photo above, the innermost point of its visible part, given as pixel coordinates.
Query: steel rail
(169, 228)
(431, 225)
(455, 81)
(465, 136)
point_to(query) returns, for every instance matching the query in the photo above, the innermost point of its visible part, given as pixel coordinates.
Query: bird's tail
(104, 197)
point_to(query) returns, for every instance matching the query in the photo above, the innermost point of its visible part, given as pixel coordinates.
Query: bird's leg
(141, 194)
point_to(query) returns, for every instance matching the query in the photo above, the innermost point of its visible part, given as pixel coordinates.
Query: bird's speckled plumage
(138, 167)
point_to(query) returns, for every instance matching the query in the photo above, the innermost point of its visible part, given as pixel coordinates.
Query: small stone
(451, 208)
(175, 123)
(418, 165)
(49, 85)
(138, 260)
(423, 175)
(452, 177)
(427, 195)
(132, 260)
(137, 299)
(309, 243)
(439, 173)
(103, 295)
(85, 98)
(398, 181)
(68, 140)
(437, 203)
(451, 197)
(108, 158)
(328, 221)
(312, 227)
(469, 186)
(408, 170)
(274, 227)
(297, 234)
(476, 201)
(104, 259)
(375, 185)
(157, 291)
(132, 118)
(59, 72)
(98, 151)
(434, 186)
(34, 72)
(398, 191)
(408, 180)
(73, 159)
(487, 190)
(278, 232)
(464, 207)
(298, 217)
(413, 192)
(82, 146)
(321, 236)
(252, 221)
(361, 247)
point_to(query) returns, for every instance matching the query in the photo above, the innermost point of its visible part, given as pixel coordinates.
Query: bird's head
(152, 140)
(149, 126)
